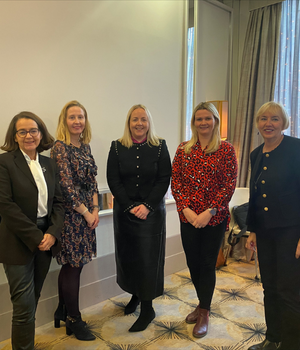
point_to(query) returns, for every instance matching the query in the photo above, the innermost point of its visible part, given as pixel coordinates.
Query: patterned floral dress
(78, 172)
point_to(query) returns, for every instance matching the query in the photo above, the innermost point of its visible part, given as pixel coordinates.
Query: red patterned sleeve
(227, 179)
(177, 185)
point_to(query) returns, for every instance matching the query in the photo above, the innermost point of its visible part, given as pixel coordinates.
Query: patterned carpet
(236, 320)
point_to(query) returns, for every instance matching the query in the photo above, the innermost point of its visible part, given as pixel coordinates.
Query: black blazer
(281, 187)
(19, 235)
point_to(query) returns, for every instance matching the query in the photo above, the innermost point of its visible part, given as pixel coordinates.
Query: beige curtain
(257, 82)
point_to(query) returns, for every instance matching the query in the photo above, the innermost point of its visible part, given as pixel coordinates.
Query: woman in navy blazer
(31, 213)
(274, 223)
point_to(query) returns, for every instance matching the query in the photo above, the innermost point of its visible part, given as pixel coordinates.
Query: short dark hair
(10, 143)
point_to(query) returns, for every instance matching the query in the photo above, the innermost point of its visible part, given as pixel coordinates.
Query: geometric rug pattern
(236, 318)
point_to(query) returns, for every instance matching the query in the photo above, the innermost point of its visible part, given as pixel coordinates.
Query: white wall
(107, 54)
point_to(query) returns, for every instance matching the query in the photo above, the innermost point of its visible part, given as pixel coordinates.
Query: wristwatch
(213, 211)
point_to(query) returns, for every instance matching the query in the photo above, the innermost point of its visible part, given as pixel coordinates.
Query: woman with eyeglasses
(31, 211)
(274, 224)
(78, 171)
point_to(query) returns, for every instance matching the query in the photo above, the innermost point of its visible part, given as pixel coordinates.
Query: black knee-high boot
(146, 316)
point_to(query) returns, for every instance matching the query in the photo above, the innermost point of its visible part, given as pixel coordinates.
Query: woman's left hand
(47, 242)
(202, 219)
(141, 211)
(298, 250)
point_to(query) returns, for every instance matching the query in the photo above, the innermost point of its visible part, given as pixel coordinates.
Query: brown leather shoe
(193, 316)
(201, 327)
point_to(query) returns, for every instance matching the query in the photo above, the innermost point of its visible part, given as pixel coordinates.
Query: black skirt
(140, 252)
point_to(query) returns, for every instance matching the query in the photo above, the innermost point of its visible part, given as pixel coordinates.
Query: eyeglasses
(23, 133)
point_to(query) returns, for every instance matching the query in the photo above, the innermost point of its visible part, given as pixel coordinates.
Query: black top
(275, 186)
(139, 174)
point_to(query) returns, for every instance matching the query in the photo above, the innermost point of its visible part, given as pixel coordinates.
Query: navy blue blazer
(281, 187)
(19, 234)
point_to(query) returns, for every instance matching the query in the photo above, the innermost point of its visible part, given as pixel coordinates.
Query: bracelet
(84, 211)
(96, 206)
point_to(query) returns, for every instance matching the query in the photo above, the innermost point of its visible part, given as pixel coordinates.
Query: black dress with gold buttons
(139, 175)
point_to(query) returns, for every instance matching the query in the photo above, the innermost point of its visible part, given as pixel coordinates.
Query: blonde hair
(273, 107)
(215, 140)
(152, 138)
(63, 133)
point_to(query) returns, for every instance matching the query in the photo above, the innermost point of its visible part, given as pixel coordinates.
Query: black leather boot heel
(79, 328)
(60, 315)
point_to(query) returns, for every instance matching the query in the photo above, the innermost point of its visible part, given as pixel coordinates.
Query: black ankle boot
(60, 315)
(79, 328)
(147, 315)
(265, 345)
(132, 305)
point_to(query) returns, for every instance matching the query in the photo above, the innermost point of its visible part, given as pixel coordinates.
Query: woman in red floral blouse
(203, 180)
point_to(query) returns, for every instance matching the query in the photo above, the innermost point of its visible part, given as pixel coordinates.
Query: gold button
(267, 155)
(266, 208)
(265, 168)
(263, 182)
(264, 195)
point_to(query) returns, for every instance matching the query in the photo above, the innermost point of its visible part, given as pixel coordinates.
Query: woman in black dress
(138, 174)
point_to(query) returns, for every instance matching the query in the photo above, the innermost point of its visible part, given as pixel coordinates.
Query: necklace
(78, 145)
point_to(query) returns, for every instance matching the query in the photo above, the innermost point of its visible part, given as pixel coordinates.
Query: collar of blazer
(21, 163)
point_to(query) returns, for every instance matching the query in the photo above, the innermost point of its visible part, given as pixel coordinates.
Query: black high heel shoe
(79, 328)
(60, 315)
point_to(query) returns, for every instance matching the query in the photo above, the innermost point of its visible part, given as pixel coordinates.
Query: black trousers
(201, 247)
(280, 275)
(25, 284)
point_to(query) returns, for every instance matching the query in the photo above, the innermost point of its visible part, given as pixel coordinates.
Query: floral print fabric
(77, 170)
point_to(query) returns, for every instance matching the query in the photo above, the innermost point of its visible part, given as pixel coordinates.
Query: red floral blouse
(201, 181)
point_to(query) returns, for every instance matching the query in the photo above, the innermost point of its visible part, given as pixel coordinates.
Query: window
(190, 83)
(287, 88)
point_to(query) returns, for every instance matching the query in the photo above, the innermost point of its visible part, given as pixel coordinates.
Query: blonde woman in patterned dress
(78, 172)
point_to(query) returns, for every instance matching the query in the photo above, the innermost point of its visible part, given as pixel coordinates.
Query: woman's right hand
(251, 241)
